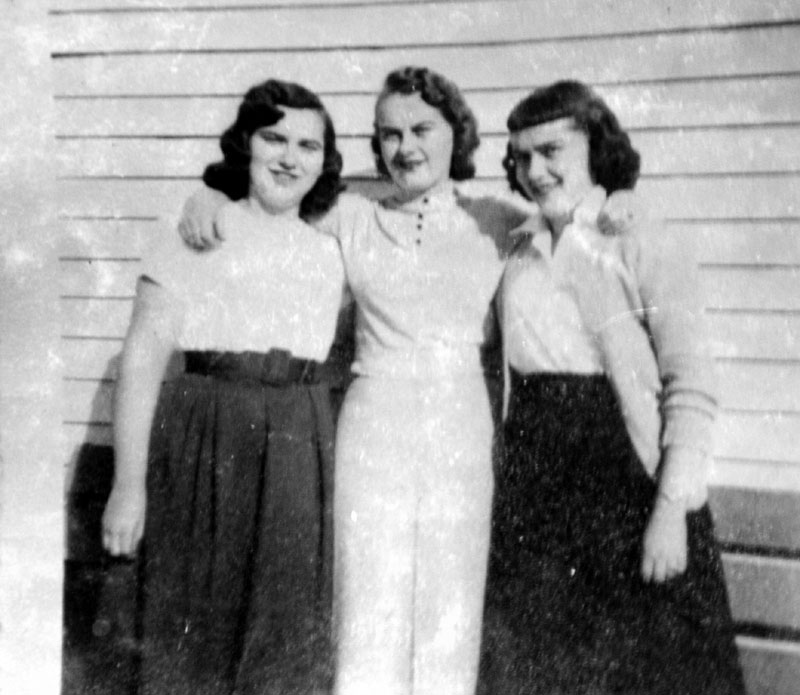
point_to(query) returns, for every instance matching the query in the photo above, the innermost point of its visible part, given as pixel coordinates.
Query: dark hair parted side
(613, 162)
(439, 92)
(259, 108)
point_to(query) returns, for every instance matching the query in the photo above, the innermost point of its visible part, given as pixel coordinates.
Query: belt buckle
(275, 367)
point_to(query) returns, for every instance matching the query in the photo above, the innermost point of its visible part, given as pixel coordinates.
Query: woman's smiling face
(552, 166)
(286, 160)
(416, 142)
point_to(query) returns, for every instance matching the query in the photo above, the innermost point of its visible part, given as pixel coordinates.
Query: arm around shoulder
(198, 224)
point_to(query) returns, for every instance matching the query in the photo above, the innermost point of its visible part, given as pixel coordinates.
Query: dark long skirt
(238, 540)
(566, 610)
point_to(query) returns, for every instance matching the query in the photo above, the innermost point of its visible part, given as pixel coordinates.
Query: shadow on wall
(100, 648)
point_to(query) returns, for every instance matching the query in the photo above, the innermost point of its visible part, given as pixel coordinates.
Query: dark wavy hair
(439, 92)
(259, 108)
(613, 162)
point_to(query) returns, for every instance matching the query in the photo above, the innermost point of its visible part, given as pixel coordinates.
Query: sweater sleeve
(667, 275)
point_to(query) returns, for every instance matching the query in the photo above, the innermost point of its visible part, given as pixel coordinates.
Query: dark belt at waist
(274, 368)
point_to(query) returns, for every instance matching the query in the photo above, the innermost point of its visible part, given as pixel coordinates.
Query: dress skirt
(238, 540)
(567, 612)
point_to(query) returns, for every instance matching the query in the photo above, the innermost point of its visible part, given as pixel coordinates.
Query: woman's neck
(404, 197)
(256, 207)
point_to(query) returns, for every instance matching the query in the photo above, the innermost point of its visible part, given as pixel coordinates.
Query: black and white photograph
(400, 347)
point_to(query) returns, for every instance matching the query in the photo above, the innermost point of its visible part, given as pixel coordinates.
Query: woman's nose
(288, 157)
(407, 142)
(537, 167)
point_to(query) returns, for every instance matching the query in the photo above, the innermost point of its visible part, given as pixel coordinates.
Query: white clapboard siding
(756, 517)
(770, 667)
(699, 103)
(735, 53)
(763, 590)
(392, 25)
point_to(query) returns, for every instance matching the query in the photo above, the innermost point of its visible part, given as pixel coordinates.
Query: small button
(425, 200)
(419, 226)
(420, 215)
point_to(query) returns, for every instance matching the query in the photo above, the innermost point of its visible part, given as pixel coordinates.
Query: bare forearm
(143, 366)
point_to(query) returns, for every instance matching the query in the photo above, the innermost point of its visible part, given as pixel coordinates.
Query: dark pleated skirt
(236, 585)
(566, 610)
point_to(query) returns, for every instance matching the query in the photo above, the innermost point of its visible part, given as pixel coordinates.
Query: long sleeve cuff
(683, 476)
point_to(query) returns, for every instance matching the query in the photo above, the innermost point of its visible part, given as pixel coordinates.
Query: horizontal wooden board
(743, 101)
(754, 52)
(81, 319)
(758, 436)
(99, 278)
(769, 386)
(755, 335)
(763, 590)
(87, 401)
(91, 358)
(84, 6)
(770, 667)
(745, 241)
(769, 476)
(756, 517)
(726, 151)
(389, 25)
(749, 287)
(108, 238)
(711, 197)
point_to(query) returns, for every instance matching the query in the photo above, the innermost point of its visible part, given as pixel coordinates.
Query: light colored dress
(414, 443)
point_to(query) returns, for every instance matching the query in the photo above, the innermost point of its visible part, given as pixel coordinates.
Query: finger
(113, 544)
(647, 567)
(659, 571)
(218, 233)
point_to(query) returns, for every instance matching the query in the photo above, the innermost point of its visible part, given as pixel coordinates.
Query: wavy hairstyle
(613, 162)
(259, 108)
(439, 92)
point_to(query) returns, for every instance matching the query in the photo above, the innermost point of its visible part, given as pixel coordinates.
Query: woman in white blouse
(228, 473)
(604, 575)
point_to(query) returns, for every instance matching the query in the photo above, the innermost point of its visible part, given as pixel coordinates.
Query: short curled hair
(439, 92)
(259, 108)
(613, 162)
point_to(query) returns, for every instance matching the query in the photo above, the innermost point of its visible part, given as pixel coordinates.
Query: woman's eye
(388, 135)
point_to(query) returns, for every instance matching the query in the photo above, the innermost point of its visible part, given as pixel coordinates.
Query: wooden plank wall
(709, 90)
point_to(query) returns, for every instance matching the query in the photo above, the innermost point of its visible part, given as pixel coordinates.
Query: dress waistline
(273, 368)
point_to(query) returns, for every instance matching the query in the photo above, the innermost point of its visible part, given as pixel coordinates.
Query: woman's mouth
(408, 164)
(283, 177)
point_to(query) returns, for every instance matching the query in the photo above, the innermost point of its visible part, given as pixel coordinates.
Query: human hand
(664, 546)
(123, 520)
(198, 226)
(622, 212)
